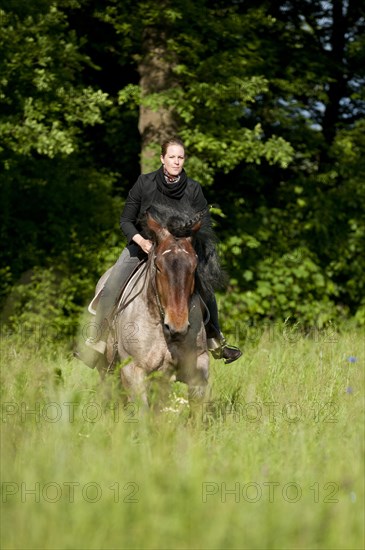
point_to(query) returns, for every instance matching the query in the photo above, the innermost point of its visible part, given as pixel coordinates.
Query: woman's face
(174, 159)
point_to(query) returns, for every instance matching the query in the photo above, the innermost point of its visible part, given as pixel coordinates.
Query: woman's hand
(145, 244)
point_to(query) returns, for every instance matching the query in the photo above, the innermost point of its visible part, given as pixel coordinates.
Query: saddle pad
(94, 302)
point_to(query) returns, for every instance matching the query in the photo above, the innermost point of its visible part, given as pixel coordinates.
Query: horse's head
(175, 263)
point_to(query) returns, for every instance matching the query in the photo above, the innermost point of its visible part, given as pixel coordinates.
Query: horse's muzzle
(174, 334)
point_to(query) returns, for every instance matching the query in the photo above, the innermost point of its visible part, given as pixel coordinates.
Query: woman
(169, 186)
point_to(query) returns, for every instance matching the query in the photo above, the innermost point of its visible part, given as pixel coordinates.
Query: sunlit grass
(278, 462)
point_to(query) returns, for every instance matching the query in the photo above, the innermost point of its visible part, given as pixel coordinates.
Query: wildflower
(352, 359)
(349, 390)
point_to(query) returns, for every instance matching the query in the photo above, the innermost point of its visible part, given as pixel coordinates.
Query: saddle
(103, 279)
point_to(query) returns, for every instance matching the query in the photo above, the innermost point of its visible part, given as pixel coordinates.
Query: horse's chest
(149, 347)
(162, 358)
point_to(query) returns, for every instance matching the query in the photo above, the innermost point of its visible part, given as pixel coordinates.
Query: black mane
(180, 225)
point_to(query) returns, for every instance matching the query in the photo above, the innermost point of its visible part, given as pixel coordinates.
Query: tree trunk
(337, 87)
(156, 75)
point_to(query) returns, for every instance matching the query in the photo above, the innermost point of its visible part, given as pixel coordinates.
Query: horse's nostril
(174, 334)
(170, 330)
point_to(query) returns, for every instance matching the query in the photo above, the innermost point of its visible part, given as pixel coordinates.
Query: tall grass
(278, 462)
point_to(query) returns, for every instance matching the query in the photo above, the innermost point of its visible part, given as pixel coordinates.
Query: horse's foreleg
(159, 391)
(198, 389)
(134, 382)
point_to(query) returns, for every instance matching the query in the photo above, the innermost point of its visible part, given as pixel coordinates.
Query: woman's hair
(171, 141)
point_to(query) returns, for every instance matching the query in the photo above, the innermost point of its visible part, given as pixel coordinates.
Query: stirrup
(89, 356)
(215, 347)
(230, 353)
(99, 345)
(221, 350)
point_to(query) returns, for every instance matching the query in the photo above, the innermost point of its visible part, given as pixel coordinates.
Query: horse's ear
(157, 229)
(196, 227)
(194, 230)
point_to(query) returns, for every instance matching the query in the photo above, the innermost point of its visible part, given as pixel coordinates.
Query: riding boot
(217, 343)
(97, 344)
(221, 350)
(95, 347)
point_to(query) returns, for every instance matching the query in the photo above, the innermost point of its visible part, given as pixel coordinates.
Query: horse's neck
(139, 298)
(134, 287)
(150, 292)
(142, 284)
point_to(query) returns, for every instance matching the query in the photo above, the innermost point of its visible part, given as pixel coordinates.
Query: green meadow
(277, 461)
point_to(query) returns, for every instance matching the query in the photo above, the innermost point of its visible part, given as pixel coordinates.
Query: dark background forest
(269, 100)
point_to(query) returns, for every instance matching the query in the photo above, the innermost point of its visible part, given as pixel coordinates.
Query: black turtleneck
(152, 189)
(172, 190)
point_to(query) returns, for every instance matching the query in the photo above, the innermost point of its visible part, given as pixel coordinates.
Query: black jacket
(143, 195)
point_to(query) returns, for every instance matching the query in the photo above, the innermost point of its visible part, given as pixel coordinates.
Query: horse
(159, 325)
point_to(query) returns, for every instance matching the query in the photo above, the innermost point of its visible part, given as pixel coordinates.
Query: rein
(154, 286)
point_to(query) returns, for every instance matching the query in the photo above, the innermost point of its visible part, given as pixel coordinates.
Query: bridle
(153, 271)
